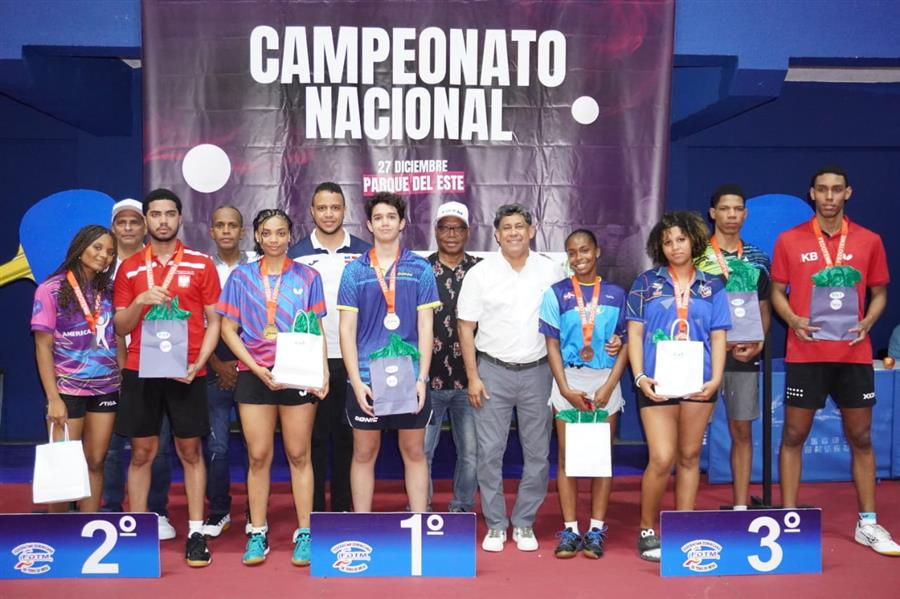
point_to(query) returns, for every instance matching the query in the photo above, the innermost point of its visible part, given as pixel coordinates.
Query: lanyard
(272, 295)
(817, 230)
(682, 298)
(587, 320)
(91, 318)
(176, 261)
(388, 290)
(720, 258)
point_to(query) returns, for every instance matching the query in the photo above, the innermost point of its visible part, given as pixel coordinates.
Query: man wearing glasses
(448, 372)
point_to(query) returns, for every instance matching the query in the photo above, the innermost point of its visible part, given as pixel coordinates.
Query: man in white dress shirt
(506, 364)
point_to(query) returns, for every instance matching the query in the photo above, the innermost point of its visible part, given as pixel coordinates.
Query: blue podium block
(105, 545)
(355, 545)
(718, 543)
(826, 454)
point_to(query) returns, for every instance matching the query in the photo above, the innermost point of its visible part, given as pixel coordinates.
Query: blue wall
(733, 119)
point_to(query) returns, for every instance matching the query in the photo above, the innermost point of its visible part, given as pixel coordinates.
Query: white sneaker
(876, 537)
(494, 540)
(216, 525)
(524, 538)
(166, 530)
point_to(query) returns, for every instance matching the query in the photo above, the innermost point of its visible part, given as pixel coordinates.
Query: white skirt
(587, 380)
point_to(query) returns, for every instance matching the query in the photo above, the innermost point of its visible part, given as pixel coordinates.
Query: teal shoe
(257, 549)
(302, 547)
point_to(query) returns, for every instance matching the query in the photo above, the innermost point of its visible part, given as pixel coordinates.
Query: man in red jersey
(159, 273)
(815, 367)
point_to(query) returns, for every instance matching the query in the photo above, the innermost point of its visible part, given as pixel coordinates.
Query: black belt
(512, 366)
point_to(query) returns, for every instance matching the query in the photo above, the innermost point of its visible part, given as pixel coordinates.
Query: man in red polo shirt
(816, 368)
(164, 270)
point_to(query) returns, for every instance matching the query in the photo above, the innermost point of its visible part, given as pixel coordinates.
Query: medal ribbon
(91, 318)
(272, 295)
(817, 230)
(176, 261)
(587, 320)
(720, 258)
(388, 290)
(682, 298)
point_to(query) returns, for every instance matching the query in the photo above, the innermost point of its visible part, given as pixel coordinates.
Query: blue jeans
(462, 423)
(116, 466)
(218, 476)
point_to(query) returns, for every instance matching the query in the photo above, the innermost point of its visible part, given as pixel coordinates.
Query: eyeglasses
(448, 229)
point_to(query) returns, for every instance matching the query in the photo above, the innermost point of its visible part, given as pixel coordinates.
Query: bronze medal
(587, 353)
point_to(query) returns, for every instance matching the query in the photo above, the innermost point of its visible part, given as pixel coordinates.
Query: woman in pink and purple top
(75, 348)
(260, 300)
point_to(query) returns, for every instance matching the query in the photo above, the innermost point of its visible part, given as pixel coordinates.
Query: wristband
(638, 378)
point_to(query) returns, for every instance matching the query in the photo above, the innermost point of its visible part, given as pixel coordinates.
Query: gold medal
(270, 332)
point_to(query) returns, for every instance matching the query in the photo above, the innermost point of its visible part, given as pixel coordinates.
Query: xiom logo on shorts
(870, 395)
(34, 558)
(701, 555)
(347, 553)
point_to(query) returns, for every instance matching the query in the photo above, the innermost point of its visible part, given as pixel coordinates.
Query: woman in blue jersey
(259, 300)
(659, 297)
(580, 316)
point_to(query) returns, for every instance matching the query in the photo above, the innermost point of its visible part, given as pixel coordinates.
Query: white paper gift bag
(60, 471)
(679, 365)
(298, 361)
(588, 449)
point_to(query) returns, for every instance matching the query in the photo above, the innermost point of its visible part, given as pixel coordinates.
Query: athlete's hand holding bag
(60, 471)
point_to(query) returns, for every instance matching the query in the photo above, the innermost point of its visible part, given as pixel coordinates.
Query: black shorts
(645, 402)
(250, 389)
(849, 385)
(358, 419)
(78, 405)
(142, 403)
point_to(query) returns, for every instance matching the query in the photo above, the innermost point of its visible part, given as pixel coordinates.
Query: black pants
(331, 432)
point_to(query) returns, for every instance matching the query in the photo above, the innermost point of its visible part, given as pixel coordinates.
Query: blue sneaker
(302, 547)
(569, 544)
(257, 549)
(592, 544)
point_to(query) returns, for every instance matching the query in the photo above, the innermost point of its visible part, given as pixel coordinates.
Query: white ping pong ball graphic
(206, 168)
(585, 110)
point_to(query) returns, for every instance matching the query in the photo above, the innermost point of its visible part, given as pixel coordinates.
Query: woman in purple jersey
(75, 350)
(259, 301)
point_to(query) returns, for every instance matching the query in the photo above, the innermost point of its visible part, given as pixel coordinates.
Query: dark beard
(173, 235)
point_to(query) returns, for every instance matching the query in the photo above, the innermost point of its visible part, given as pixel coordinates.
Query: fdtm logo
(30, 554)
(700, 555)
(348, 552)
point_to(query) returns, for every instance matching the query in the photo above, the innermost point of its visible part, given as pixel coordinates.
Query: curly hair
(262, 216)
(101, 283)
(690, 223)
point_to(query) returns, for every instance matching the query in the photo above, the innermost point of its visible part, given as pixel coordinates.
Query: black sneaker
(648, 545)
(592, 543)
(196, 554)
(216, 524)
(569, 544)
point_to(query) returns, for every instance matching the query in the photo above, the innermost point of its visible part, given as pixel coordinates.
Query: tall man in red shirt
(164, 270)
(816, 368)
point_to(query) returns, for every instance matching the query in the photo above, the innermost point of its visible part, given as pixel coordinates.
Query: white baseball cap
(127, 204)
(453, 209)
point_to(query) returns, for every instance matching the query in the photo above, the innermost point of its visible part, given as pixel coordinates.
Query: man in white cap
(129, 228)
(448, 382)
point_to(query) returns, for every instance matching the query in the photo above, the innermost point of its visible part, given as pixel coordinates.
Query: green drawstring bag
(393, 377)
(306, 322)
(742, 276)
(837, 276)
(573, 416)
(834, 306)
(167, 311)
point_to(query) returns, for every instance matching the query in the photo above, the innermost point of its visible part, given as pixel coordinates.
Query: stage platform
(849, 569)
